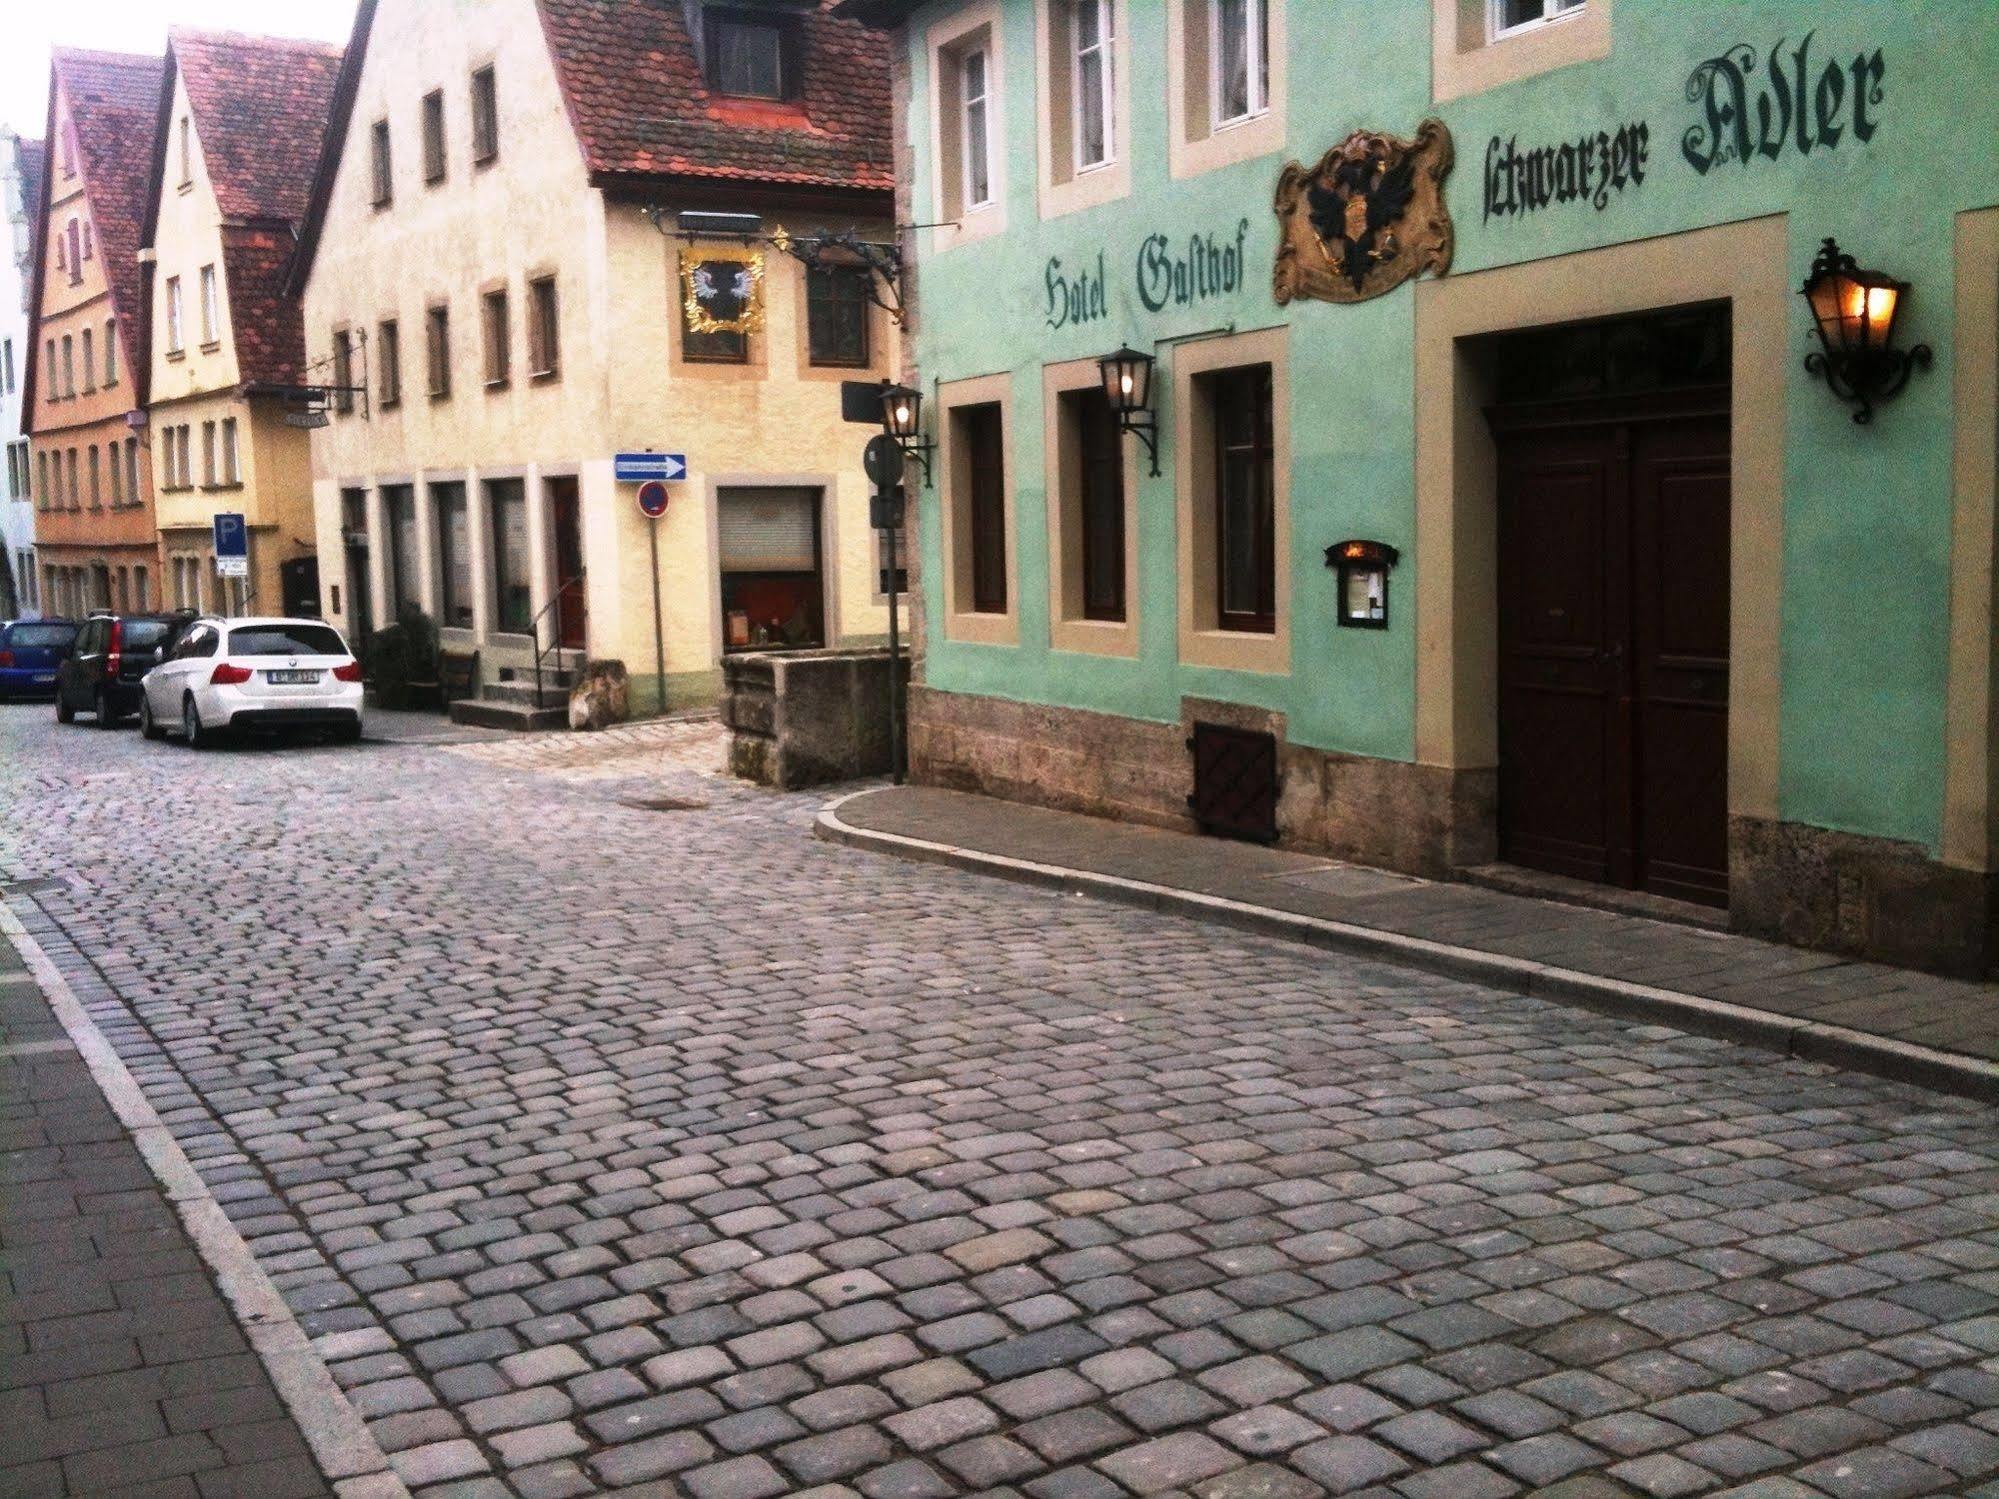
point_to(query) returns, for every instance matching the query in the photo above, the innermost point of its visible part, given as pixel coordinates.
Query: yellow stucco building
(494, 278)
(240, 121)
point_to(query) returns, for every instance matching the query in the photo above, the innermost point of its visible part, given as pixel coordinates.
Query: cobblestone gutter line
(1838, 1046)
(339, 1439)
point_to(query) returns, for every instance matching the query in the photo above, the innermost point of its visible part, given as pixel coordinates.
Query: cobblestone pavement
(602, 1147)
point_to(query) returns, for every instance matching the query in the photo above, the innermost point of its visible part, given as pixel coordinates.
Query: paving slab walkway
(1915, 1027)
(121, 1367)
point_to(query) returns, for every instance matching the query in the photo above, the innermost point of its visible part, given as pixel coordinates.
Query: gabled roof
(260, 106)
(643, 114)
(32, 157)
(112, 98)
(642, 107)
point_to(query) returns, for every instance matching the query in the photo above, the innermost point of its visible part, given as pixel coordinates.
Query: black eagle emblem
(1354, 206)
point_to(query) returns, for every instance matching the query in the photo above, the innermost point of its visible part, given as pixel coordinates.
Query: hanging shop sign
(1588, 169)
(1366, 219)
(1743, 120)
(723, 290)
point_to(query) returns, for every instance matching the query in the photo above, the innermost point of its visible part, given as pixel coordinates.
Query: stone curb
(347, 1453)
(1900, 1061)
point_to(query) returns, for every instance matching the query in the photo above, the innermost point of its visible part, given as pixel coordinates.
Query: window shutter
(768, 530)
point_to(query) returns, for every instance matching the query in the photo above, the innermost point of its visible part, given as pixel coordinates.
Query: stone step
(553, 694)
(520, 717)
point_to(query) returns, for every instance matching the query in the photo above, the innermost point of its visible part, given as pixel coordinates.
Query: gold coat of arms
(1368, 217)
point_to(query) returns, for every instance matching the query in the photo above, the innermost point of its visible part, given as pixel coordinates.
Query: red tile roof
(260, 105)
(267, 323)
(642, 111)
(112, 97)
(642, 107)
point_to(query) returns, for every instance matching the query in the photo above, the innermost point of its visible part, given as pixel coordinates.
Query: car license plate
(291, 678)
(43, 678)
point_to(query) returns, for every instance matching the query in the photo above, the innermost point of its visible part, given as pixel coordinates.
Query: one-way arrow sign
(636, 468)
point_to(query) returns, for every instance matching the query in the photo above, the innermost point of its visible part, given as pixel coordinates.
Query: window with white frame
(209, 318)
(1507, 17)
(173, 315)
(1093, 81)
(232, 459)
(975, 94)
(1238, 60)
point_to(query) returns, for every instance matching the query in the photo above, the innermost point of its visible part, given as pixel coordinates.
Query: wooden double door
(1613, 644)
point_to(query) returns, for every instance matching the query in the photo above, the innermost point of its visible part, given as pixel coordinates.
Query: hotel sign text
(1165, 273)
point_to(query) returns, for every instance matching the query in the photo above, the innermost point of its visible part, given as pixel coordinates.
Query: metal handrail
(555, 638)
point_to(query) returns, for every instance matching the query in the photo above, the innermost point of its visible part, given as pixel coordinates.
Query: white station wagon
(221, 675)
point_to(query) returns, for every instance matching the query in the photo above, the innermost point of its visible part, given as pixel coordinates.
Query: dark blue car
(30, 652)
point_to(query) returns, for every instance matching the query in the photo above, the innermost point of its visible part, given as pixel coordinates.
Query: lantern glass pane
(1879, 313)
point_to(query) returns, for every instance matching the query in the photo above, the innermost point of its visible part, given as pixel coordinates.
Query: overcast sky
(33, 26)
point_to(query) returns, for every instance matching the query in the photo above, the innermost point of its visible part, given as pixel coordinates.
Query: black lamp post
(1855, 313)
(1127, 378)
(902, 420)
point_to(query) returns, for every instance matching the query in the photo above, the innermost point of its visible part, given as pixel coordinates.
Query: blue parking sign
(232, 537)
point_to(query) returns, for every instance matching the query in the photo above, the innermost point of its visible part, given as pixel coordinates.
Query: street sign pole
(884, 463)
(894, 655)
(658, 627)
(653, 499)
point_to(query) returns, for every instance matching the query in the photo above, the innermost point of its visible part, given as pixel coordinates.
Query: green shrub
(401, 654)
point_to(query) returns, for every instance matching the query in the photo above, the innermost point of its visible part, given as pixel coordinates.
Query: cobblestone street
(607, 1132)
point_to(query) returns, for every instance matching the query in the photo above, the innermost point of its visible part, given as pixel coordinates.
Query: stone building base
(1863, 897)
(1415, 818)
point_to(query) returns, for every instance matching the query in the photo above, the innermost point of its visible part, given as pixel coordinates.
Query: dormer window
(751, 56)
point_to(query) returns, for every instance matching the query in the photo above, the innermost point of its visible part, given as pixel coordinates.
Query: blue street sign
(636, 468)
(232, 537)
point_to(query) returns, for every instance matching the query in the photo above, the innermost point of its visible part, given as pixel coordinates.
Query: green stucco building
(1661, 616)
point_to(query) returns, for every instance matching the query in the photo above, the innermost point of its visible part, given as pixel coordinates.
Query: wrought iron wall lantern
(1363, 568)
(1855, 312)
(902, 420)
(1127, 377)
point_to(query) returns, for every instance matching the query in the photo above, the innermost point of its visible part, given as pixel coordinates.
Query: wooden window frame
(381, 165)
(496, 335)
(389, 356)
(436, 158)
(343, 371)
(544, 330)
(790, 51)
(437, 349)
(828, 276)
(1262, 447)
(485, 92)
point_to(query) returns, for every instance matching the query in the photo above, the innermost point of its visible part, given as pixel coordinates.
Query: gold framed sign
(1366, 219)
(723, 290)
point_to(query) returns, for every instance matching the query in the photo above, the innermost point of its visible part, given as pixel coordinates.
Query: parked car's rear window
(41, 635)
(286, 640)
(144, 634)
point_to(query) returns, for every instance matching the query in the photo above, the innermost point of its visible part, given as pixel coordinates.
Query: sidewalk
(1913, 1027)
(123, 1370)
